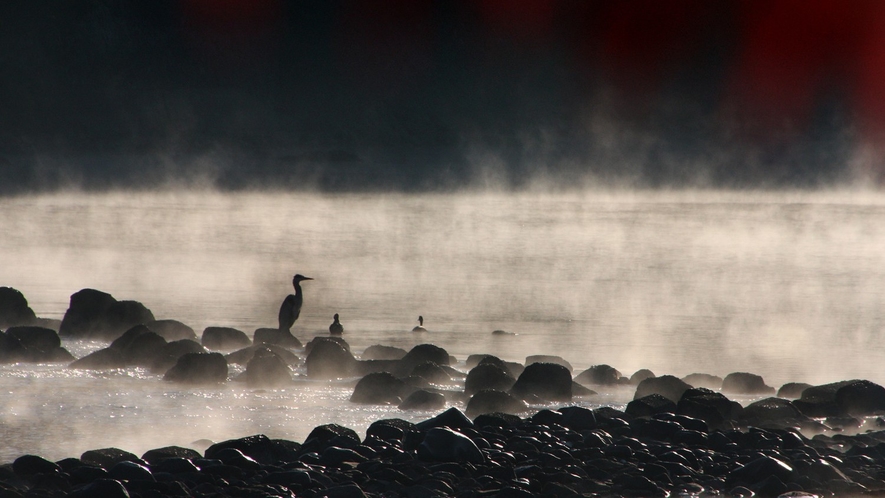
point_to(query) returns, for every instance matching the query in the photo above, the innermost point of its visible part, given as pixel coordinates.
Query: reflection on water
(787, 285)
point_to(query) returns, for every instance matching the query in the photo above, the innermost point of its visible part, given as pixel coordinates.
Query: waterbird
(336, 328)
(291, 307)
(420, 326)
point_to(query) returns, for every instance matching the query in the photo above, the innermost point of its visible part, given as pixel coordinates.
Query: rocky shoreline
(677, 437)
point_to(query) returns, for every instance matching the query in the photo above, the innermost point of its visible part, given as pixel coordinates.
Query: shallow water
(786, 285)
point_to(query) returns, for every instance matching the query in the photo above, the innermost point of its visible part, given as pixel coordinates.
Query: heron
(420, 326)
(336, 328)
(291, 307)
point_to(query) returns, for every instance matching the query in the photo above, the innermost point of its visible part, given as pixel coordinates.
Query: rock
(329, 360)
(547, 381)
(224, 339)
(32, 344)
(140, 346)
(599, 375)
(544, 358)
(35, 338)
(157, 455)
(579, 391)
(130, 471)
(771, 411)
(711, 407)
(321, 339)
(578, 418)
(379, 352)
(267, 369)
(94, 314)
(703, 380)
(107, 457)
(198, 368)
(792, 390)
(492, 401)
(14, 309)
(420, 354)
(102, 359)
(861, 398)
(445, 445)
(391, 430)
(647, 406)
(667, 386)
(276, 336)
(452, 418)
(423, 399)
(488, 376)
(760, 469)
(104, 488)
(169, 354)
(820, 401)
(257, 448)
(172, 330)
(324, 436)
(380, 388)
(28, 465)
(432, 372)
(640, 375)
(745, 383)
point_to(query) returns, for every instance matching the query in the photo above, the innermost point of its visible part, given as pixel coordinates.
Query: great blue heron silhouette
(336, 328)
(291, 307)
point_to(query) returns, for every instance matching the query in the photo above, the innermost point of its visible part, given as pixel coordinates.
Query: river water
(788, 285)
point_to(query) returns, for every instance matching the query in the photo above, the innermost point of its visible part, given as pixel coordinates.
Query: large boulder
(379, 388)
(710, 406)
(32, 344)
(599, 375)
(442, 444)
(140, 346)
(667, 386)
(242, 356)
(546, 358)
(169, 354)
(329, 360)
(772, 411)
(103, 359)
(792, 390)
(431, 372)
(420, 354)
(745, 383)
(545, 381)
(224, 339)
(93, 314)
(267, 369)
(488, 376)
(14, 309)
(820, 401)
(708, 381)
(276, 336)
(423, 399)
(198, 368)
(861, 398)
(32, 337)
(647, 406)
(379, 352)
(492, 401)
(172, 330)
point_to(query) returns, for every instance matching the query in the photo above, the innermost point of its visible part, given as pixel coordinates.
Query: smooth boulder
(224, 339)
(14, 309)
(380, 388)
(198, 368)
(545, 381)
(329, 360)
(94, 314)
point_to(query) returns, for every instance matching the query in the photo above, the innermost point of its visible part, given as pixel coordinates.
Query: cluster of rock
(567, 452)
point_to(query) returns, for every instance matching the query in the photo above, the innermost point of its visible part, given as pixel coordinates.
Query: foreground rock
(14, 309)
(32, 344)
(93, 314)
(570, 451)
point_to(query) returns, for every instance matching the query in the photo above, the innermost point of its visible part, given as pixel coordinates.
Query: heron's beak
(307, 278)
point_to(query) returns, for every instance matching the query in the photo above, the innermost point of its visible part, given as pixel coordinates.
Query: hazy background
(430, 95)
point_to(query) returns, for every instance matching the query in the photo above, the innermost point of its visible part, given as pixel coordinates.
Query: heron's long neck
(297, 290)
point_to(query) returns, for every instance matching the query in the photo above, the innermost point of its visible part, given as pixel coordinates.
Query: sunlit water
(786, 285)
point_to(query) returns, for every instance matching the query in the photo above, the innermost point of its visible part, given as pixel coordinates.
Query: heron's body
(291, 307)
(336, 328)
(420, 326)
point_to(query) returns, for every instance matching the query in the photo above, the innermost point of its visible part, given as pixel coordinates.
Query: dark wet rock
(324, 338)
(323, 436)
(423, 353)
(745, 383)
(792, 390)
(497, 419)
(14, 309)
(704, 380)
(442, 444)
(640, 375)
(100, 360)
(390, 430)
(104, 488)
(36, 338)
(365, 367)
(758, 470)
(578, 418)
(170, 352)
(579, 391)
(28, 465)
(599, 375)
(198, 368)
(108, 457)
(491, 401)
(379, 352)
(140, 346)
(473, 360)
(772, 411)
(224, 339)
(820, 401)
(93, 314)
(432, 372)
(267, 369)
(242, 356)
(379, 388)
(647, 406)
(452, 418)
(667, 386)
(130, 471)
(329, 360)
(172, 330)
(710, 406)
(157, 455)
(488, 376)
(32, 344)
(276, 336)
(235, 458)
(547, 381)
(860, 398)
(11, 349)
(545, 358)
(423, 399)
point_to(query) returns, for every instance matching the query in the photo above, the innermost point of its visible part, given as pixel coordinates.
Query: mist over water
(785, 285)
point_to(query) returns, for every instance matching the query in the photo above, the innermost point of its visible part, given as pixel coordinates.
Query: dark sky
(427, 95)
